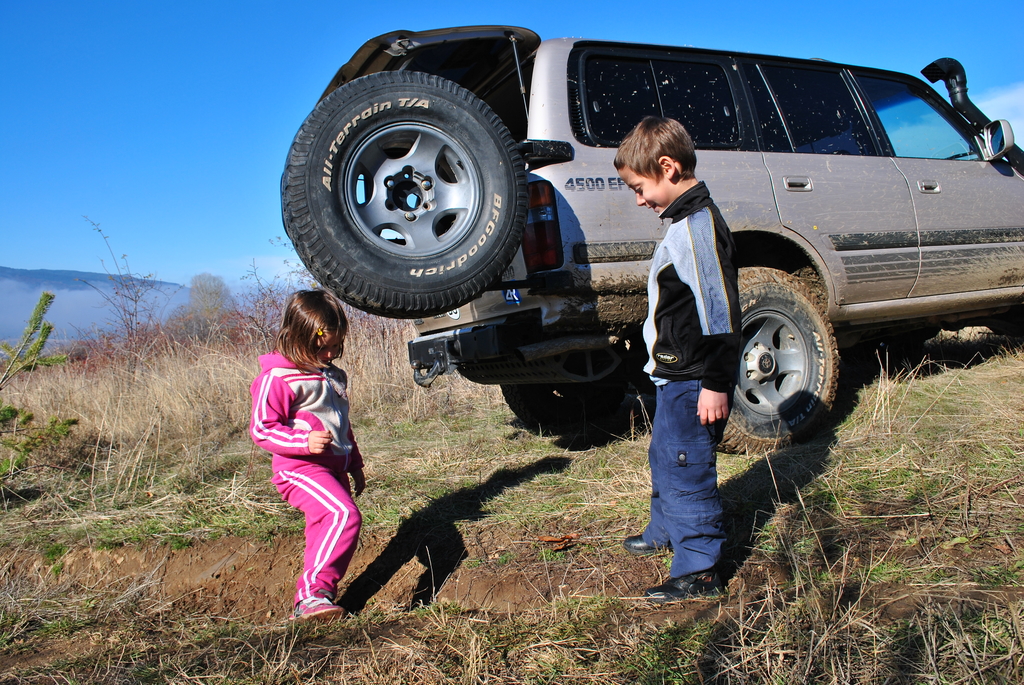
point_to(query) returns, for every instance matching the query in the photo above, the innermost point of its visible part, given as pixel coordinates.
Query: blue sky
(168, 123)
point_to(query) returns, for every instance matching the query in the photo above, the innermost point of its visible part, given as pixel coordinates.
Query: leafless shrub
(136, 303)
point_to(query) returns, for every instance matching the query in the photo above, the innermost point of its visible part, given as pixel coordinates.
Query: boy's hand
(318, 442)
(712, 406)
(358, 481)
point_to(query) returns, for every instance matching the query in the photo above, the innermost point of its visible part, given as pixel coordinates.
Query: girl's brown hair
(308, 316)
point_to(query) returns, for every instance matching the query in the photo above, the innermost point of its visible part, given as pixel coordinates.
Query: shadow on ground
(11, 499)
(752, 497)
(431, 536)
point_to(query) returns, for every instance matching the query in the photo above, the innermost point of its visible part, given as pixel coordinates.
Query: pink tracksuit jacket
(288, 403)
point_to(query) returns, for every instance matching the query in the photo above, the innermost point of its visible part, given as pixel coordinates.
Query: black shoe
(636, 546)
(703, 584)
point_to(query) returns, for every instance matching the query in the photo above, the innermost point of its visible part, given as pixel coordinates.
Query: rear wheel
(557, 404)
(789, 363)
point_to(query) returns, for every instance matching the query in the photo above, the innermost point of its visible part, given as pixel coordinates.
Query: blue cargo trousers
(686, 510)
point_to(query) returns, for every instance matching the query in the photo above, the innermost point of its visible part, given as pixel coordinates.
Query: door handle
(798, 184)
(929, 186)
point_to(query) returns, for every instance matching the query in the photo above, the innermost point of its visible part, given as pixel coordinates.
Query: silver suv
(463, 178)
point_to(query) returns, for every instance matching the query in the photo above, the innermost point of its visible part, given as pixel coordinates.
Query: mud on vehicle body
(463, 178)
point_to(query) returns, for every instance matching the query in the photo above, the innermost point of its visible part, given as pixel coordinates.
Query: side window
(914, 127)
(698, 95)
(819, 111)
(769, 123)
(619, 93)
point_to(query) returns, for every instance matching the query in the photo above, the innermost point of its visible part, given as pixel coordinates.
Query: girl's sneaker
(317, 608)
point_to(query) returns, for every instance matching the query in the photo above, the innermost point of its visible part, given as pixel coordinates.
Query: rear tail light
(542, 239)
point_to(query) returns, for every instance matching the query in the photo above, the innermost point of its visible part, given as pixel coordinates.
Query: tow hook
(425, 378)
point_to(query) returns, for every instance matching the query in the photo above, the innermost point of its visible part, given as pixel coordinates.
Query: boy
(692, 334)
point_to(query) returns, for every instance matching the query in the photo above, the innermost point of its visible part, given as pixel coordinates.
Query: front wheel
(789, 363)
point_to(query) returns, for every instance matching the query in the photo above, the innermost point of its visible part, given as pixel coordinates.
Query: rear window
(770, 128)
(482, 66)
(619, 92)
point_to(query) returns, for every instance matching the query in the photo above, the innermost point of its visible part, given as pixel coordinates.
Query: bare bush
(210, 314)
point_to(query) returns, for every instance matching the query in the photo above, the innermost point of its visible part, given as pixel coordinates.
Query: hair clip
(320, 332)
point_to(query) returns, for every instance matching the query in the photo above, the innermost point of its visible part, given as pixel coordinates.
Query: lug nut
(427, 184)
(409, 216)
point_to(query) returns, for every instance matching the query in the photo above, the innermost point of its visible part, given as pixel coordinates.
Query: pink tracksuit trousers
(323, 494)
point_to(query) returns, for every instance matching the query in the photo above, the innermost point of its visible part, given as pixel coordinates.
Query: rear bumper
(503, 355)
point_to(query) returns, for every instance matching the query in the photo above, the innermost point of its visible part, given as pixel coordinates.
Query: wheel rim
(774, 365)
(412, 190)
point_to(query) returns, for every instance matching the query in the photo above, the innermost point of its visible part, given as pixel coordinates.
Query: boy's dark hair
(652, 139)
(308, 316)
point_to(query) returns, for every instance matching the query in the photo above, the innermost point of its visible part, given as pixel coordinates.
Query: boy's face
(657, 193)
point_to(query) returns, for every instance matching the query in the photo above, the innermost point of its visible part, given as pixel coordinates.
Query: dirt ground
(499, 571)
(240, 578)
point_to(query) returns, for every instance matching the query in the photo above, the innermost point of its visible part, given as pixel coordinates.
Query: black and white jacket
(692, 329)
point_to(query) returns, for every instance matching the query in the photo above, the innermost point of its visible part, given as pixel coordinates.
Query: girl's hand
(318, 442)
(358, 481)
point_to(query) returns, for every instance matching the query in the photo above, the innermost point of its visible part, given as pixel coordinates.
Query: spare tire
(404, 194)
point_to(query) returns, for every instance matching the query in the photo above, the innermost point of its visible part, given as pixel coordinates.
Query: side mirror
(996, 139)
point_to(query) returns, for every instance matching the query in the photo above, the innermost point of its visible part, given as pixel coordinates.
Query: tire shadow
(11, 499)
(431, 536)
(751, 498)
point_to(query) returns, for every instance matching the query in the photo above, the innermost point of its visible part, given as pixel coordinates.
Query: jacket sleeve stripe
(261, 429)
(711, 292)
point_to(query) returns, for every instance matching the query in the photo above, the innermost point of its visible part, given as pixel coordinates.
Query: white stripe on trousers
(320, 494)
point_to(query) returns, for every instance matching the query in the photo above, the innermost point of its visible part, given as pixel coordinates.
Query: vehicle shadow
(632, 420)
(922, 356)
(751, 498)
(431, 536)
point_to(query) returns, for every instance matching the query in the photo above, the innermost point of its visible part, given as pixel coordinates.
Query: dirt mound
(243, 578)
(493, 569)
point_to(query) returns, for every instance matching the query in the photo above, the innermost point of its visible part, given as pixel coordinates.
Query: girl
(300, 415)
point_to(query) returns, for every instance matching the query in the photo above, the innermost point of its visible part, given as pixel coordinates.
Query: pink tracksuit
(288, 403)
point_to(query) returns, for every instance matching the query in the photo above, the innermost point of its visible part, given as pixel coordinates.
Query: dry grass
(887, 551)
(156, 438)
(191, 397)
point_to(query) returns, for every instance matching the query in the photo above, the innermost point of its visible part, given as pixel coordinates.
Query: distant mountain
(78, 307)
(61, 279)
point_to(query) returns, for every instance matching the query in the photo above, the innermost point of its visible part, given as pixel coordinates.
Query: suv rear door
(830, 183)
(968, 210)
